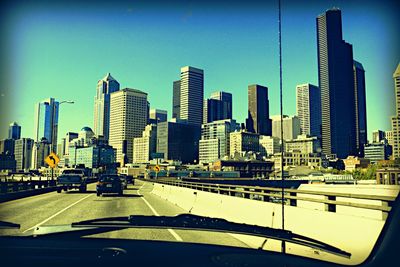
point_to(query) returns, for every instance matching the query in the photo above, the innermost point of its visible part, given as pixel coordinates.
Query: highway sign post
(52, 160)
(157, 169)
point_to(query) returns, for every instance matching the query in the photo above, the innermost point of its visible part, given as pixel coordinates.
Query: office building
(144, 147)
(308, 106)
(269, 145)
(178, 140)
(176, 99)
(297, 158)
(157, 115)
(191, 94)
(93, 156)
(7, 146)
(46, 122)
(377, 151)
(66, 141)
(304, 144)
(246, 168)
(378, 136)
(361, 107)
(389, 137)
(40, 151)
(258, 120)
(128, 118)
(101, 122)
(396, 119)
(291, 127)
(23, 153)
(14, 131)
(215, 136)
(242, 142)
(336, 82)
(7, 163)
(217, 107)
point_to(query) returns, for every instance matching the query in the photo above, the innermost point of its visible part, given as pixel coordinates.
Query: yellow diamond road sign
(52, 160)
(157, 168)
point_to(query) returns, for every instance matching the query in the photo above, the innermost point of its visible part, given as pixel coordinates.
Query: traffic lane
(113, 205)
(30, 211)
(166, 208)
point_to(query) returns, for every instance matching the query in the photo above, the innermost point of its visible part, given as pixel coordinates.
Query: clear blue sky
(62, 50)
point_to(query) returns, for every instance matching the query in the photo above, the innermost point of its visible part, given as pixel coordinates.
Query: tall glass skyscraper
(361, 107)
(46, 122)
(191, 95)
(105, 87)
(218, 107)
(336, 81)
(258, 120)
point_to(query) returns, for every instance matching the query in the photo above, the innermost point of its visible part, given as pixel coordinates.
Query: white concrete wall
(351, 232)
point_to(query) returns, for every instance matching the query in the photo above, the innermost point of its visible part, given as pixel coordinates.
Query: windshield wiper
(9, 225)
(194, 222)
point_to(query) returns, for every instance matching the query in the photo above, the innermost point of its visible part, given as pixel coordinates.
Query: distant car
(110, 183)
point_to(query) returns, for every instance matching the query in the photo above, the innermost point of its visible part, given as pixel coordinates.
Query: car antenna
(281, 110)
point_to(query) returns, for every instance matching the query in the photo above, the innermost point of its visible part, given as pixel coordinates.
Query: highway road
(58, 209)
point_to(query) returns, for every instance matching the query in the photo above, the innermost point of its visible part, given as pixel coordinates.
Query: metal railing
(272, 194)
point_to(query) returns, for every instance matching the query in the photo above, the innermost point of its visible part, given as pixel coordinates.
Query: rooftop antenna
(281, 108)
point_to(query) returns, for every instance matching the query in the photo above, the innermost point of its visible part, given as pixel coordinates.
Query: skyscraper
(336, 81)
(23, 153)
(176, 99)
(158, 115)
(258, 120)
(396, 119)
(14, 131)
(128, 119)
(308, 106)
(191, 94)
(361, 107)
(291, 127)
(105, 87)
(217, 107)
(46, 122)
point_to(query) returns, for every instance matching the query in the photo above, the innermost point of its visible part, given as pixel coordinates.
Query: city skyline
(378, 117)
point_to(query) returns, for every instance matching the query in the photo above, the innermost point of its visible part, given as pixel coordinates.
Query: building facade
(258, 120)
(269, 145)
(46, 122)
(128, 119)
(297, 158)
(308, 106)
(242, 141)
(215, 139)
(361, 107)
(101, 122)
(176, 99)
(396, 119)
(23, 153)
(40, 151)
(178, 141)
(191, 95)
(93, 156)
(389, 137)
(377, 151)
(378, 136)
(336, 81)
(145, 146)
(304, 144)
(14, 131)
(291, 127)
(217, 107)
(157, 115)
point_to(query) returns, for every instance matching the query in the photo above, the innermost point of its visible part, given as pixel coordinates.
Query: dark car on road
(110, 183)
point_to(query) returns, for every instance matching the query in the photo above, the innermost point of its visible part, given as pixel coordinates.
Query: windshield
(284, 116)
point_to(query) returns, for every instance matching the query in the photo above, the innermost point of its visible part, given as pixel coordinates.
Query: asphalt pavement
(72, 206)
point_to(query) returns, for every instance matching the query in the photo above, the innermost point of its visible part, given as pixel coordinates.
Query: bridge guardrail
(291, 196)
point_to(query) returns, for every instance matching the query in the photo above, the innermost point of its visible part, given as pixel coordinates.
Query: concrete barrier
(353, 233)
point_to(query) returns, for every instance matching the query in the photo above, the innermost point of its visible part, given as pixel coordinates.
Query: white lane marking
(54, 215)
(172, 232)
